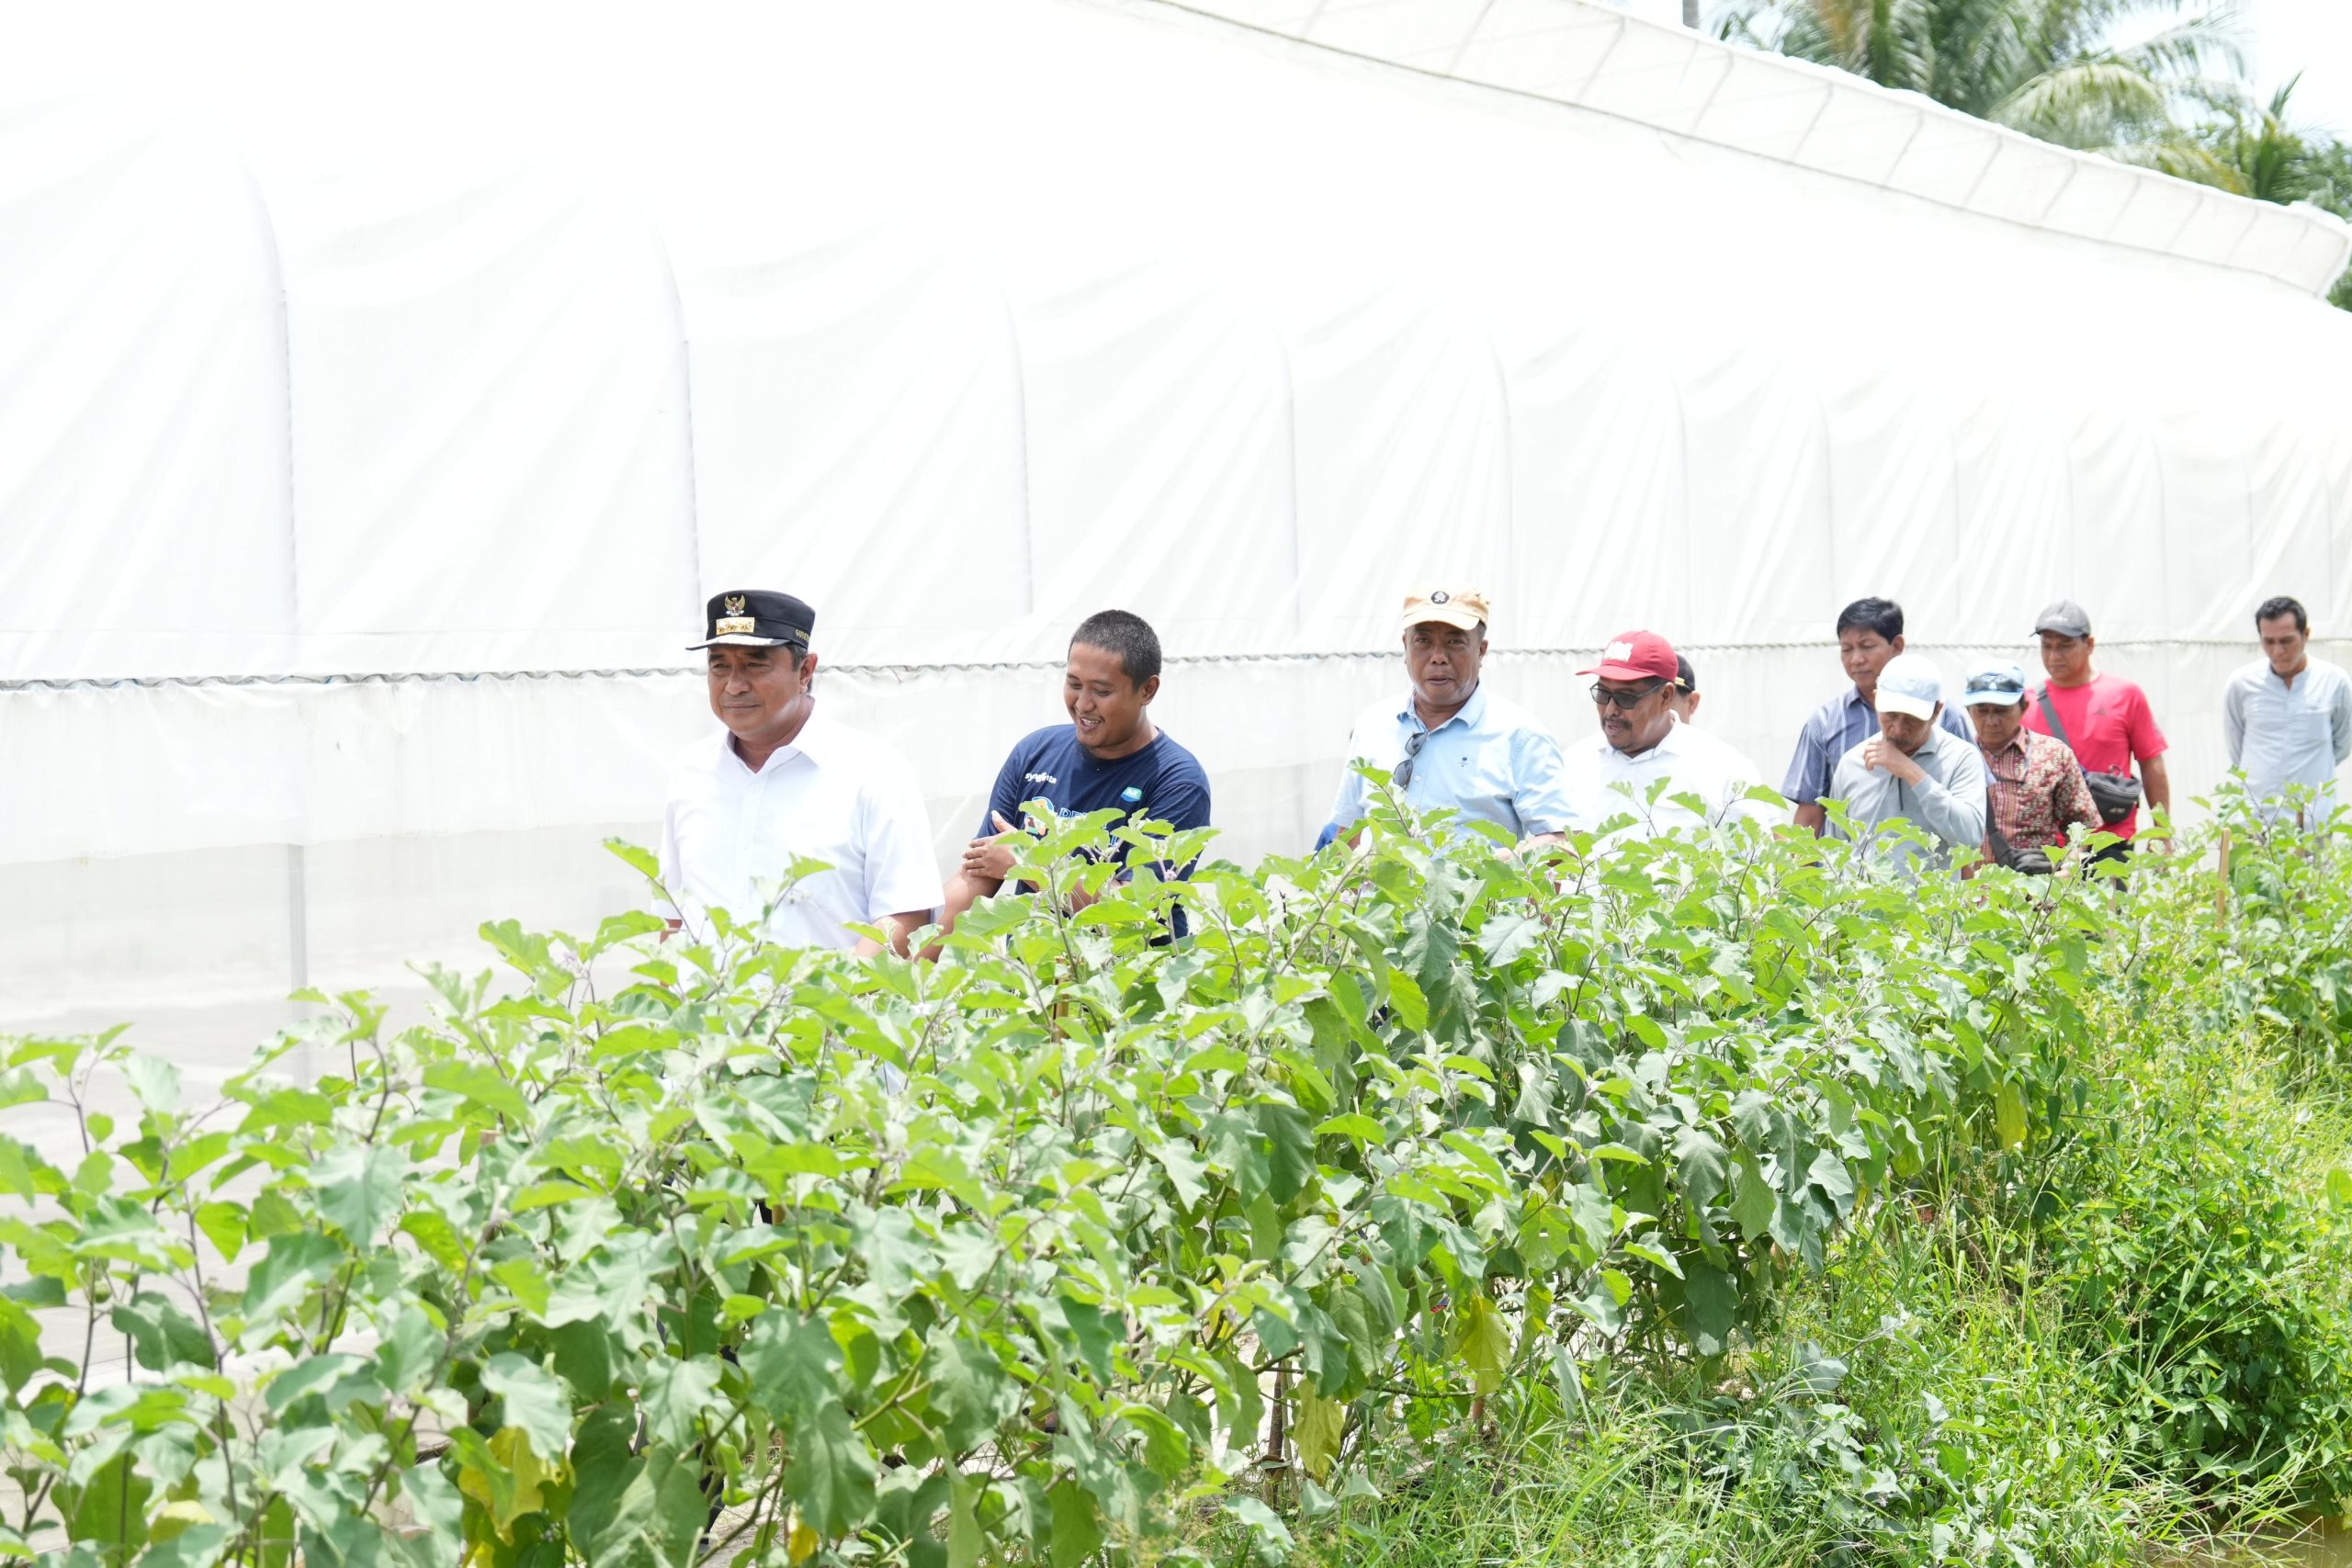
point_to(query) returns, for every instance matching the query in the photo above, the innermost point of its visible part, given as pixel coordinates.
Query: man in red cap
(1648, 763)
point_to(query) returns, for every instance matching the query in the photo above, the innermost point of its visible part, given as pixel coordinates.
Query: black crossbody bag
(2116, 796)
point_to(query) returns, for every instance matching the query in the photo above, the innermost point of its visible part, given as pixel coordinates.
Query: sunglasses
(1625, 701)
(1403, 776)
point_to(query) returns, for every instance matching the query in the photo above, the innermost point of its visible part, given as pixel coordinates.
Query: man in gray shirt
(2287, 717)
(1913, 770)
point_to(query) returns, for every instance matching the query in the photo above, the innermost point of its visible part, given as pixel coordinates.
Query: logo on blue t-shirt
(1162, 780)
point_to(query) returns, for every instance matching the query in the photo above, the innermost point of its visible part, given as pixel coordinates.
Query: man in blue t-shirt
(1109, 756)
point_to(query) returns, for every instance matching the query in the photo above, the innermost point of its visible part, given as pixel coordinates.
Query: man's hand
(991, 859)
(1880, 753)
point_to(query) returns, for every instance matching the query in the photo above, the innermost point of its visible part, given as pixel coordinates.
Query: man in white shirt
(783, 782)
(1913, 770)
(2287, 717)
(1645, 746)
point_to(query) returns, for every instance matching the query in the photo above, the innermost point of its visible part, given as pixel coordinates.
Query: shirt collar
(1468, 715)
(1669, 745)
(813, 741)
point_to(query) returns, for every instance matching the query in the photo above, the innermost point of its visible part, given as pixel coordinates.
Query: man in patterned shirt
(2034, 787)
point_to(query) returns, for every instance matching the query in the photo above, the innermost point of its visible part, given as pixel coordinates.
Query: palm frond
(2182, 159)
(2189, 48)
(2084, 103)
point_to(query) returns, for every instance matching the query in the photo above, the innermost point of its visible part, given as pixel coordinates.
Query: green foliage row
(1038, 1253)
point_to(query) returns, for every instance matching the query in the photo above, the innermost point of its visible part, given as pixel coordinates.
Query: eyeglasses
(1602, 696)
(1403, 777)
(1993, 697)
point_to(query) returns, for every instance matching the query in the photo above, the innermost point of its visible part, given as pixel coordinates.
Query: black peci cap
(756, 619)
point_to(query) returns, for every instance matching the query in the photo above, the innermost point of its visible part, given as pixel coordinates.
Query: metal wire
(915, 671)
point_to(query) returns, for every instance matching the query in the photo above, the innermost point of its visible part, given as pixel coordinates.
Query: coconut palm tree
(2044, 67)
(2256, 149)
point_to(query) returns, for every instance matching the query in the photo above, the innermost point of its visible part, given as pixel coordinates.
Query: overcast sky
(2315, 37)
(2283, 37)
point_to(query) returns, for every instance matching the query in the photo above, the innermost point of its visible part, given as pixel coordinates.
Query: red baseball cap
(1636, 655)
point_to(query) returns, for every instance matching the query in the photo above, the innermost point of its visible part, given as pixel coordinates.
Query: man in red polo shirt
(2105, 719)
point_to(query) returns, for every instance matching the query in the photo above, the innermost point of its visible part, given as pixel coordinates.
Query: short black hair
(2273, 608)
(1126, 634)
(1684, 676)
(1883, 616)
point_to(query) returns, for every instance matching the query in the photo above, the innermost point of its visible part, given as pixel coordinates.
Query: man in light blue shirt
(1869, 633)
(1452, 744)
(2287, 717)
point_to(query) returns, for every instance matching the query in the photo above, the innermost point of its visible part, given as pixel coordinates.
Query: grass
(1940, 1393)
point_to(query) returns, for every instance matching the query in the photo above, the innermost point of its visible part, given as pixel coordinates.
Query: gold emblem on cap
(736, 626)
(735, 604)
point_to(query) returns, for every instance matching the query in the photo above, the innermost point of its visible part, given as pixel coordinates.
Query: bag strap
(2057, 727)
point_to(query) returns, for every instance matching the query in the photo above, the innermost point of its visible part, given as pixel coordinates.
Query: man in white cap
(1913, 770)
(782, 782)
(1452, 745)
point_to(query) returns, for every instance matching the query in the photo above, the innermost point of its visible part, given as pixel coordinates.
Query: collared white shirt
(1950, 803)
(729, 836)
(1493, 762)
(2283, 734)
(1606, 783)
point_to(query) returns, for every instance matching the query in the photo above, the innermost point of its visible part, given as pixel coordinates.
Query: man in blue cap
(2035, 788)
(784, 782)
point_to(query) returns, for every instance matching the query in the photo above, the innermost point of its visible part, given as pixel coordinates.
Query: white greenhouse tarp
(385, 390)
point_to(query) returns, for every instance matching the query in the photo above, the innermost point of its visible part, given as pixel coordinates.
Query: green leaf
(161, 1336)
(1700, 1166)
(1712, 1299)
(1185, 1171)
(658, 1515)
(1753, 1200)
(20, 1355)
(641, 860)
(795, 1366)
(1483, 1342)
(359, 1189)
(156, 1084)
(965, 1539)
(19, 1087)
(969, 1392)
(832, 1472)
(273, 1214)
(1270, 1539)
(1077, 1530)
(1356, 1126)
(481, 1086)
(1837, 1183)
(1291, 1148)
(531, 1399)
(224, 1226)
(286, 1272)
(676, 1396)
(2008, 1115)
(1318, 1425)
(1094, 1331)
